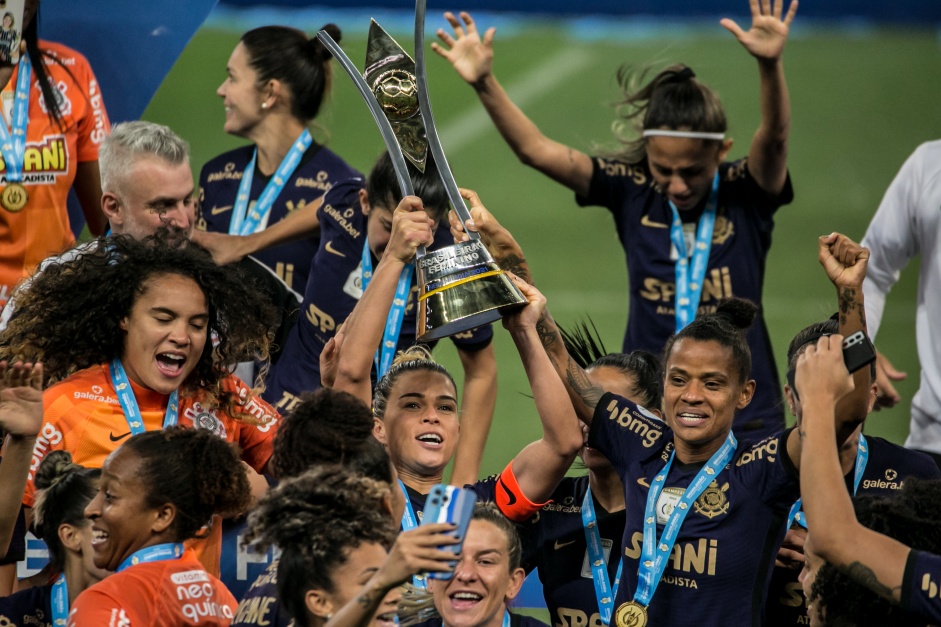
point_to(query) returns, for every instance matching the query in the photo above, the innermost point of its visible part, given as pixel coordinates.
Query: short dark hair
(384, 191)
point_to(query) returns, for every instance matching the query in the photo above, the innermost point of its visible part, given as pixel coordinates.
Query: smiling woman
(136, 356)
(158, 490)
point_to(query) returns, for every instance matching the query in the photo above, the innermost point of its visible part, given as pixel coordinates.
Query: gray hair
(131, 140)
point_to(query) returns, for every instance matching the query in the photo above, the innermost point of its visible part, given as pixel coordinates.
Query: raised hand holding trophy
(461, 287)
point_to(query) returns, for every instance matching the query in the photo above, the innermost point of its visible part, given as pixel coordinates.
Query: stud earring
(264, 105)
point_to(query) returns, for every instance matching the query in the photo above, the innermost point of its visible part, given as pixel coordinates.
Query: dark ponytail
(673, 99)
(64, 489)
(288, 55)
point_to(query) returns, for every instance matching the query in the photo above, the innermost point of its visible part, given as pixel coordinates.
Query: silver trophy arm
(424, 103)
(385, 129)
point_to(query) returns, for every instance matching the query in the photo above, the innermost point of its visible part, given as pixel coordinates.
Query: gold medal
(14, 197)
(631, 614)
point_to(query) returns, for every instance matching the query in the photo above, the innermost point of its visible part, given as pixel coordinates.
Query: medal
(631, 614)
(14, 197)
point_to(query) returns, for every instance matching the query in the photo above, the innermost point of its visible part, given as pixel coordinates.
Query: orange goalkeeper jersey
(52, 155)
(167, 593)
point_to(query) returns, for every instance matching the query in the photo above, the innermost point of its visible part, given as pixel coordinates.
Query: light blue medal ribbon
(604, 592)
(155, 553)
(655, 554)
(60, 602)
(506, 618)
(242, 224)
(862, 458)
(13, 140)
(390, 338)
(410, 521)
(122, 386)
(689, 280)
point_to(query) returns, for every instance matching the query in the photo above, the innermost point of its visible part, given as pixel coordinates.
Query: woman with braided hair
(64, 489)
(158, 490)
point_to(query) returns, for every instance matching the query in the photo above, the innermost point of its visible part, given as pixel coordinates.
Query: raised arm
(540, 466)
(472, 58)
(20, 418)
(767, 157)
(871, 559)
(478, 402)
(415, 551)
(844, 261)
(225, 248)
(363, 329)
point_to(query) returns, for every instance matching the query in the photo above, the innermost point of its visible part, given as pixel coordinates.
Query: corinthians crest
(712, 502)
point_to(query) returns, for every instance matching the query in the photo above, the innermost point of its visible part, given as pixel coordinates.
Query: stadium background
(863, 78)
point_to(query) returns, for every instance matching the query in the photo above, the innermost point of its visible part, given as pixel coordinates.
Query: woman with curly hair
(157, 491)
(335, 528)
(883, 564)
(124, 330)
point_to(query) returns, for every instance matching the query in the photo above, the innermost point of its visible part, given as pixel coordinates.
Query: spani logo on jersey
(205, 419)
(43, 161)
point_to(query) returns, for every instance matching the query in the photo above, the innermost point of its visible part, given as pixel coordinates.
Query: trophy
(461, 286)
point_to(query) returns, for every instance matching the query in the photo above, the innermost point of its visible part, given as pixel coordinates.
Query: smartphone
(449, 504)
(858, 351)
(11, 31)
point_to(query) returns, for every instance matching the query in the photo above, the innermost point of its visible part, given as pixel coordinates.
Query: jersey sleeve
(613, 182)
(52, 435)
(624, 432)
(474, 340)
(94, 125)
(767, 470)
(96, 607)
(255, 440)
(921, 585)
(505, 492)
(892, 237)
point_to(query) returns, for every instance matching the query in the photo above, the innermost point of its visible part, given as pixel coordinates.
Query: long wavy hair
(69, 315)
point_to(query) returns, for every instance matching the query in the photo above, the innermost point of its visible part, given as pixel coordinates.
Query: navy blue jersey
(319, 169)
(333, 289)
(554, 542)
(261, 604)
(32, 606)
(888, 467)
(721, 563)
(16, 551)
(921, 586)
(740, 243)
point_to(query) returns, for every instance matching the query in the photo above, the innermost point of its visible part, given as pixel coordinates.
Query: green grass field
(861, 103)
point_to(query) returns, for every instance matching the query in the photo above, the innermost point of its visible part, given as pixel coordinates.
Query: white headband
(690, 134)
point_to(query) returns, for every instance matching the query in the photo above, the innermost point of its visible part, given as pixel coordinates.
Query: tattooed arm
(509, 256)
(845, 264)
(415, 551)
(871, 559)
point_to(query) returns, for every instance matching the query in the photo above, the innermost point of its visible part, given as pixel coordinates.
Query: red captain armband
(510, 498)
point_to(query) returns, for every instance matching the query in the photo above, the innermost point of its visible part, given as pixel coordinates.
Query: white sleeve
(892, 238)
